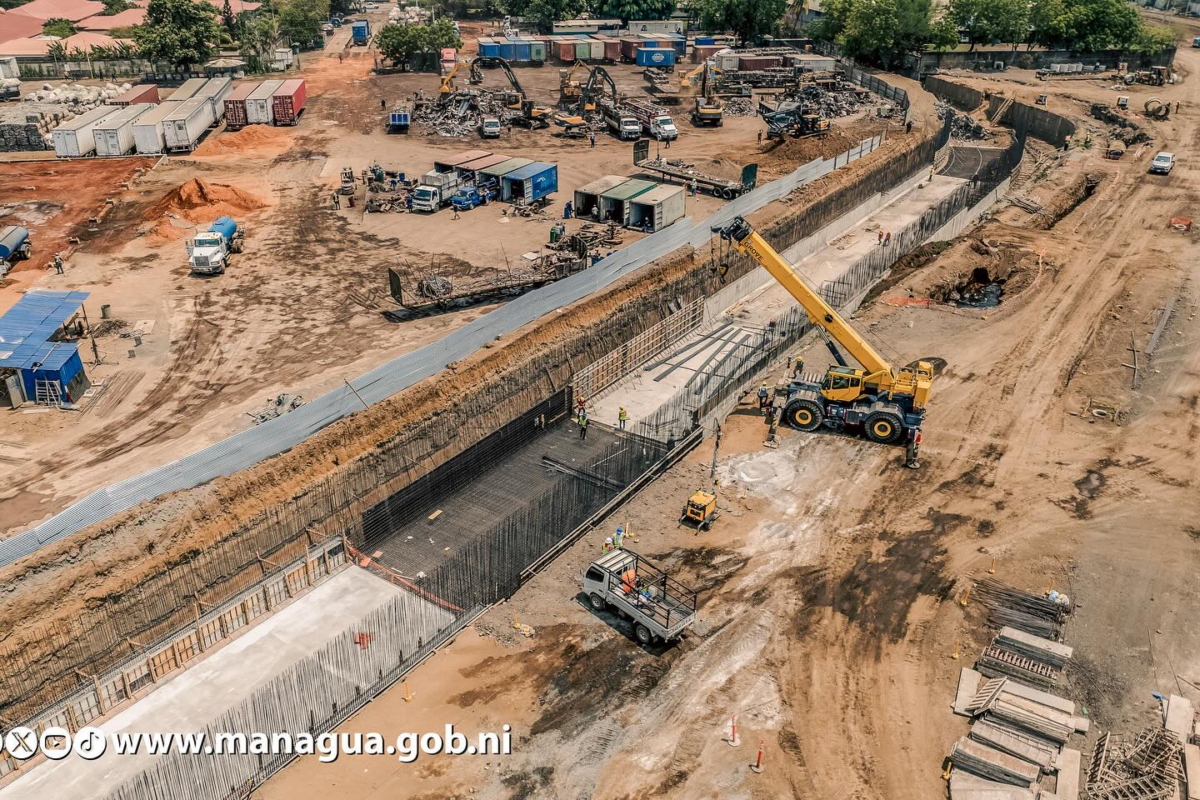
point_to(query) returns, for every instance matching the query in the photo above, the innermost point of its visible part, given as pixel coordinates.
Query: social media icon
(90, 743)
(55, 743)
(21, 743)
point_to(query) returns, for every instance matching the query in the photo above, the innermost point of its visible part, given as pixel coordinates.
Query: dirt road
(826, 588)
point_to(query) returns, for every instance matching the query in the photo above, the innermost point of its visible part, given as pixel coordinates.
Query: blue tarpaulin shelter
(26, 333)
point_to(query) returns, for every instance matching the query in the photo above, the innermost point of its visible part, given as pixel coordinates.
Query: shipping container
(656, 209)
(596, 47)
(583, 50)
(215, 92)
(703, 52)
(703, 40)
(288, 102)
(648, 41)
(537, 51)
(148, 129)
(360, 31)
(450, 162)
(727, 60)
(587, 198)
(612, 48)
(283, 58)
(565, 50)
(497, 171)
(679, 43)
(629, 48)
(188, 90)
(259, 110)
(521, 52)
(759, 62)
(529, 183)
(656, 57)
(114, 134)
(489, 48)
(812, 62)
(615, 203)
(74, 138)
(143, 93)
(183, 128)
(235, 106)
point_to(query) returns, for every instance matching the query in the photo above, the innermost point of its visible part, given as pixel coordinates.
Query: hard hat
(608, 540)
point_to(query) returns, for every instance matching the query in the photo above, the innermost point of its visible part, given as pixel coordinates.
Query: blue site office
(31, 347)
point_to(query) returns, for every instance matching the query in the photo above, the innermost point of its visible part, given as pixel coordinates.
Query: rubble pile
(410, 15)
(462, 112)
(843, 101)
(962, 126)
(739, 107)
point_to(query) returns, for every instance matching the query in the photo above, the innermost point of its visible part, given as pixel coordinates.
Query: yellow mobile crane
(884, 402)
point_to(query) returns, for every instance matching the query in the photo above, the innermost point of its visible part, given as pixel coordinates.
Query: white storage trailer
(75, 138)
(114, 134)
(656, 209)
(148, 128)
(183, 128)
(188, 90)
(215, 91)
(259, 106)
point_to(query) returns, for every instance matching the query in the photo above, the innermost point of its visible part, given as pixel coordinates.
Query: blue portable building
(656, 56)
(530, 182)
(27, 346)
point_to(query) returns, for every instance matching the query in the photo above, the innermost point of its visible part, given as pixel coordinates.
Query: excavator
(532, 117)
(880, 401)
(709, 109)
(447, 87)
(575, 124)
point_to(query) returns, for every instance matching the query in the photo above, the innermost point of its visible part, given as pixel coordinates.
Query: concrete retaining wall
(1039, 123)
(1021, 58)
(967, 219)
(961, 97)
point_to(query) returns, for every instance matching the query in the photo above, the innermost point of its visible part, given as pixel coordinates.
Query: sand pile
(199, 202)
(249, 139)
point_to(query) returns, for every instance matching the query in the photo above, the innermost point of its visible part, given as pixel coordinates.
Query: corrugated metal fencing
(275, 436)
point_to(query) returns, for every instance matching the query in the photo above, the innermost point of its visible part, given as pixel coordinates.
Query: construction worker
(455, 213)
(608, 545)
(583, 426)
(622, 417)
(58, 263)
(763, 396)
(887, 239)
(694, 187)
(620, 537)
(908, 126)
(880, 240)
(382, 104)
(408, 203)
(592, 137)
(798, 369)
(337, 202)
(580, 407)
(567, 210)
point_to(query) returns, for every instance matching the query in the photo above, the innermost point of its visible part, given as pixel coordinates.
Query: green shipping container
(537, 51)
(583, 50)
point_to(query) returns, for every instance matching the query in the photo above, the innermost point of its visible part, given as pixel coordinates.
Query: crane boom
(748, 241)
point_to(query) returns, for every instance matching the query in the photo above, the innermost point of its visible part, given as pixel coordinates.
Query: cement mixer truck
(14, 246)
(208, 252)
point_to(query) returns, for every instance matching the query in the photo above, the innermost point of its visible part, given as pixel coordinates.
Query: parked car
(327, 28)
(1162, 164)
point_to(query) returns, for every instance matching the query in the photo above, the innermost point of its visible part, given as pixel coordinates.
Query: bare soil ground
(828, 585)
(303, 307)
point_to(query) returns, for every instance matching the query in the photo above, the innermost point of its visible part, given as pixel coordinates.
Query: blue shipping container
(520, 50)
(656, 57)
(506, 48)
(531, 182)
(361, 30)
(489, 48)
(678, 42)
(705, 40)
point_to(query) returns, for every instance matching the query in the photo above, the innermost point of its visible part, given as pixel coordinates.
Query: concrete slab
(1067, 765)
(1038, 696)
(1191, 767)
(969, 682)
(199, 695)
(965, 786)
(1179, 716)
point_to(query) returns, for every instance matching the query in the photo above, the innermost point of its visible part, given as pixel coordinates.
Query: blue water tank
(656, 57)
(11, 240)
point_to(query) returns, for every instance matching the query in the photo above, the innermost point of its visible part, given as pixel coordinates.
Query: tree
(869, 33)
(179, 31)
(748, 19)
(62, 28)
(1086, 26)
(401, 42)
(1156, 39)
(227, 18)
(986, 21)
(114, 7)
(10, 4)
(547, 12)
(626, 10)
(300, 20)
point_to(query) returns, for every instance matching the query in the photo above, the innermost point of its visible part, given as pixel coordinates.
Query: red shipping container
(703, 52)
(565, 50)
(629, 47)
(759, 62)
(144, 93)
(612, 48)
(288, 102)
(235, 106)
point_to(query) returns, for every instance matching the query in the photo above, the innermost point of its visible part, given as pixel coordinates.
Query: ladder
(999, 115)
(48, 393)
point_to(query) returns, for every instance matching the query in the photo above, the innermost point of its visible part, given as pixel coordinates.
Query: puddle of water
(986, 296)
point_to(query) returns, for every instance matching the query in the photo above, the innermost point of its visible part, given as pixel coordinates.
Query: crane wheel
(804, 415)
(883, 427)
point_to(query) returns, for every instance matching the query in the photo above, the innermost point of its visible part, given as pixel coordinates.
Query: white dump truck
(660, 607)
(653, 118)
